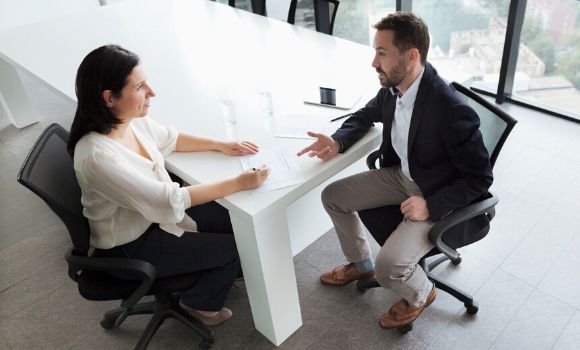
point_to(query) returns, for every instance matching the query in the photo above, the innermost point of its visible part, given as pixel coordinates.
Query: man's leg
(397, 265)
(397, 269)
(342, 199)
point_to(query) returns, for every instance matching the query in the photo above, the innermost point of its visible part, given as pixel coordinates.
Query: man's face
(391, 64)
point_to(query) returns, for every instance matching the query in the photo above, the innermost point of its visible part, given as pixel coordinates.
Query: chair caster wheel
(406, 328)
(108, 324)
(204, 344)
(456, 261)
(471, 307)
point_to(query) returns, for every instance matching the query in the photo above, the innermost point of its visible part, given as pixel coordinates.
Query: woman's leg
(211, 217)
(214, 255)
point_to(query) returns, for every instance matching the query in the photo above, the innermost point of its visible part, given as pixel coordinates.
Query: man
(432, 160)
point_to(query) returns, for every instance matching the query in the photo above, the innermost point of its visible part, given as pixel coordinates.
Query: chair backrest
(324, 14)
(259, 7)
(48, 172)
(496, 124)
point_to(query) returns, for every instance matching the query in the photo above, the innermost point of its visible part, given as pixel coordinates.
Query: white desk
(195, 53)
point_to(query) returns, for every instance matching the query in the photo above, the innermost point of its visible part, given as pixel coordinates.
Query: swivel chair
(495, 127)
(48, 172)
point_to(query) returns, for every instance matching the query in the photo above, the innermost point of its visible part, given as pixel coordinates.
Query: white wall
(18, 12)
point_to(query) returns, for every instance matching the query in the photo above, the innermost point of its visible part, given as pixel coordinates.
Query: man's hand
(325, 147)
(415, 208)
(238, 148)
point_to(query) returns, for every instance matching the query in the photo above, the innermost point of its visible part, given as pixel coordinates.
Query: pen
(341, 117)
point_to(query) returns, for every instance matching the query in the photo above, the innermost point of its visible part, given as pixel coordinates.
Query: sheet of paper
(283, 164)
(296, 126)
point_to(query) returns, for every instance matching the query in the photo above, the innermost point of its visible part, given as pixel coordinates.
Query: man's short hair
(410, 32)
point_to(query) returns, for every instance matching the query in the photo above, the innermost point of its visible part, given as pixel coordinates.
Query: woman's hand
(252, 178)
(238, 148)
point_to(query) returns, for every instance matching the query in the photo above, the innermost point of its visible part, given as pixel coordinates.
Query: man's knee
(389, 270)
(328, 195)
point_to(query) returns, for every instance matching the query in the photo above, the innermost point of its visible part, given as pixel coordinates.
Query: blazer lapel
(418, 108)
(388, 116)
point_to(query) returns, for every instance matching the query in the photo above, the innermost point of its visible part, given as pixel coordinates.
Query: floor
(523, 274)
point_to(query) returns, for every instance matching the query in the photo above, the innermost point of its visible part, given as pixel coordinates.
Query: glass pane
(355, 18)
(548, 69)
(305, 14)
(466, 48)
(467, 38)
(244, 5)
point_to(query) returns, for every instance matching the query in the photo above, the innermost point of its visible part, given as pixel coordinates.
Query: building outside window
(467, 36)
(467, 42)
(551, 33)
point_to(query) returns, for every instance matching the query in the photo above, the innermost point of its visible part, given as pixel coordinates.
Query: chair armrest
(456, 217)
(372, 159)
(143, 268)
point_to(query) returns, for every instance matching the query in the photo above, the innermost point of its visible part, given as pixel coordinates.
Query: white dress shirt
(123, 193)
(402, 123)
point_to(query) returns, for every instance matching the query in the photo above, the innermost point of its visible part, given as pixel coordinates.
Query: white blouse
(123, 193)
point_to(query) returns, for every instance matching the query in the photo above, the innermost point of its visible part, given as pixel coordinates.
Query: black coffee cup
(328, 96)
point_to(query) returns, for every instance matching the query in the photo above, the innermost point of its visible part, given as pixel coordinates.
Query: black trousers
(212, 250)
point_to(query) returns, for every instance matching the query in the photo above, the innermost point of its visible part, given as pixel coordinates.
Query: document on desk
(283, 164)
(296, 126)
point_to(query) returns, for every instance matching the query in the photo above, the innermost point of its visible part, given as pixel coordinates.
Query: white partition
(18, 12)
(14, 13)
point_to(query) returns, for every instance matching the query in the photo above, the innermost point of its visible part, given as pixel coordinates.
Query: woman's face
(135, 96)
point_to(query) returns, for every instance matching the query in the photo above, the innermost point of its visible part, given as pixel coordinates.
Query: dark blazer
(447, 157)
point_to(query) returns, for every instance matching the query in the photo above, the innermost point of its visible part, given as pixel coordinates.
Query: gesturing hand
(239, 148)
(415, 208)
(325, 147)
(253, 178)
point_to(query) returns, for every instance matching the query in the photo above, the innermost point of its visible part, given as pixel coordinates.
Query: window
(467, 44)
(548, 68)
(304, 16)
(467, 38)
(355, 18)
(467, 49)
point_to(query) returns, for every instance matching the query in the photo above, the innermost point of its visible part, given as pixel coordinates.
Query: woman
(133, 207)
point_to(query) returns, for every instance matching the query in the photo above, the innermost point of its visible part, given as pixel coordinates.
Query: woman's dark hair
(105, 68)
(410, 32)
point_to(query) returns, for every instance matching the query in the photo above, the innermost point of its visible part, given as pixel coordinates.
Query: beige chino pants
(396, 264)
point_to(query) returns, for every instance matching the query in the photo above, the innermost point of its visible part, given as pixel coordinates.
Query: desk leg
(266, 259)
(13, 97)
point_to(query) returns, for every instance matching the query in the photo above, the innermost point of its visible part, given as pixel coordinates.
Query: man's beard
(395, 76)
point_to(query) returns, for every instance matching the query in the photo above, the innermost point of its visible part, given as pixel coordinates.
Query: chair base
(471, 305)
(163, 307)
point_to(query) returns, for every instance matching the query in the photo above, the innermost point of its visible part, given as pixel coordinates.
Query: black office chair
(324, 14)
(48, 172)
(495, 127)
